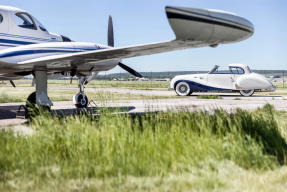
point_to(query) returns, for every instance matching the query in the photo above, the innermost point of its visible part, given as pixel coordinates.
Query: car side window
(237, 70)
(233, 70)
(25, 21)
(240, 70)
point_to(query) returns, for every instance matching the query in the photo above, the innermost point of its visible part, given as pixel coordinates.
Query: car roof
(238, 65)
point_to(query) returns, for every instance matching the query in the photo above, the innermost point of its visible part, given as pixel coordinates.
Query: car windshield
(249, 70)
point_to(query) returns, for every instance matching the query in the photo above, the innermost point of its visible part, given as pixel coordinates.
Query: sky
(140, 22)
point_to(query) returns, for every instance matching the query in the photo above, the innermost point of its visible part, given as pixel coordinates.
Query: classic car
(239, 78)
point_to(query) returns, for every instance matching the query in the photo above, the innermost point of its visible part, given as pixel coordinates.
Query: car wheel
(182, 89)
(247, 93)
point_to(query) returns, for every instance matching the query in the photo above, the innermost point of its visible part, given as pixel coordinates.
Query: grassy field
(98, 84)
(181, 151)
(209, 97)
(10, 95)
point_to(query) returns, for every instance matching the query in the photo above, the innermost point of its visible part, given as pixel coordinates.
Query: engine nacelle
(211, 26)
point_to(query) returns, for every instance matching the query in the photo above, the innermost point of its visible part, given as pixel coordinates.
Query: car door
(221, 81)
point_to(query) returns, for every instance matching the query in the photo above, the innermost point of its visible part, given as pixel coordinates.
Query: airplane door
(4, 22)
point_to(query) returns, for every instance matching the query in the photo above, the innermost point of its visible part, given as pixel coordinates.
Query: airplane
(27, 47)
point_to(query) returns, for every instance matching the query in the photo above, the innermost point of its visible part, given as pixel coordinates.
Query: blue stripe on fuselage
(27, 37)
(6, 45)
(15, 42)
(30, 52)
(46, 50)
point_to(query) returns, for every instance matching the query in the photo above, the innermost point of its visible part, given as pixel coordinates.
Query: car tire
(182, 89)
(247, 93)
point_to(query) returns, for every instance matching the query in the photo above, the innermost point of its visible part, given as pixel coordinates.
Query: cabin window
(25, 21)
(1, 18)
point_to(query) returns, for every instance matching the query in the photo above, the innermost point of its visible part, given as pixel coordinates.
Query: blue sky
(139, 22)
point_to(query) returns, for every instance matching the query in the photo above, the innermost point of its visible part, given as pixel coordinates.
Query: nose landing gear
(80, 100)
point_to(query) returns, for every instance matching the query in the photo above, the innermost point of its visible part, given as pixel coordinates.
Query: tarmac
(230, 102)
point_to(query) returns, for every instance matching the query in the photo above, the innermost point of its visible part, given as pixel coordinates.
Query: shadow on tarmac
(11, 111)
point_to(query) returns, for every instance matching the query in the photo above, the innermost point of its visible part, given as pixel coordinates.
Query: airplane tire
(81, 100)
(182, 89)
(247, 93)
(31, 107)
(31, 100)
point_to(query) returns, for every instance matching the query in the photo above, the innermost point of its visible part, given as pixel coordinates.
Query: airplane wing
(192, 27)
(116, 53)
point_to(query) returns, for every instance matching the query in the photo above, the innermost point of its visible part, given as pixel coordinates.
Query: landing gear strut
(80, 100)
(40, 97)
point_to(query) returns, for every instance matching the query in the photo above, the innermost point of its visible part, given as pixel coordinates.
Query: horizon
(133, 22)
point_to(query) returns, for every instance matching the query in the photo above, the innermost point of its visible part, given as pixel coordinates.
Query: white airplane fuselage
(19, 44)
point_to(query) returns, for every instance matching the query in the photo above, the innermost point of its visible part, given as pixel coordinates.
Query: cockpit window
(25, 21)
(40, 25)
(1, 18)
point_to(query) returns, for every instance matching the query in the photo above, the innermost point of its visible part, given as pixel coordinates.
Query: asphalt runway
(229, 102)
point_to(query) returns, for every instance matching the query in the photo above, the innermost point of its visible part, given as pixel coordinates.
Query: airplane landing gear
(80, 100)
(31, 100)
(40, 97)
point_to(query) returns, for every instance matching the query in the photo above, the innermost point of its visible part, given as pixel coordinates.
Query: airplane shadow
(11, 111)
(92, 110)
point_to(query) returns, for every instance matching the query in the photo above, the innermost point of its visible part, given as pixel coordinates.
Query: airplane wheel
(31, 100)
(31, 108)
(81, 100)
(182, 89)
(247, 93)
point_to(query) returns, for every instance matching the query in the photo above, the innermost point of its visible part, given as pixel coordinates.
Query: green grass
(10, 95)
(209, 97)
(5, 98)
(157, 152)
(96, 84)
(237, 98)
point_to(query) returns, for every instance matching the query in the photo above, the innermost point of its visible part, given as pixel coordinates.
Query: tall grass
(110, 145)
(209, 97)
